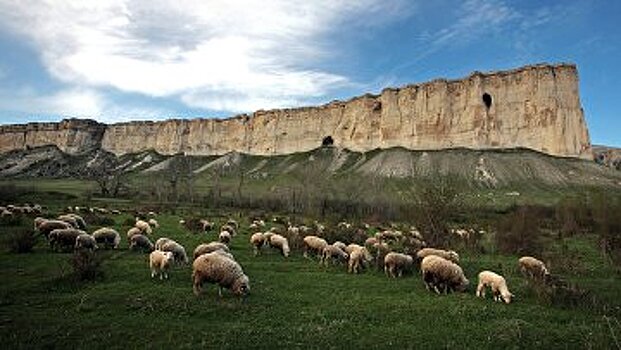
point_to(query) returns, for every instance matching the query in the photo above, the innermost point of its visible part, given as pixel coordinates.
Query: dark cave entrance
(327, 141)
(487, 100)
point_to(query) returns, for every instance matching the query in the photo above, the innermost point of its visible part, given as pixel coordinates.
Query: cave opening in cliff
(327, 141)
(487, 99)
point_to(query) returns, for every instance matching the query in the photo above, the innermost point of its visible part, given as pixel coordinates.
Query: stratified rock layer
(536, 107)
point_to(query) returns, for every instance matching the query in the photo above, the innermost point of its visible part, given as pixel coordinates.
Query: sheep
(38, 221)
(143, 226)
(160, 262)
(230, 229)
(233, 224)
(442, 275)
(225, 237)
(446, 254)
(48, 226)
(497, 283)
(160, 242)
(153, 223)
(85, 241)
(177, 249)
(78, 220)
(396, 263)
(342, 246)
(333, 253)
(533, 267)
(221, 270)
(370, 242)
(151, 214)
(64, 238)
(314, 244)
(69, 219)
(388, 235)
(206, 248)
(206, 224)
(281, 243)
(132, 232)
(258, 240)
(380, 249)
(140, 241)
(108, 237)
(359, 257)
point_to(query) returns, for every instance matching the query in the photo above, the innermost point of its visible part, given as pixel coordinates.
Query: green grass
(294, 303)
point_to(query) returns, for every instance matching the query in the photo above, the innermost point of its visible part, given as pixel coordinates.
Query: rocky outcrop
(536, 107)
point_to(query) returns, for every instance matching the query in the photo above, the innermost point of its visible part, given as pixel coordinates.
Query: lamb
(211, 247)
(442, 275)
(333, 253)
(160, 242)
(144, 227)
(281, 243)
(359, 257)
(177, 249)
(446, 254)
(396, 263)
(108, 237)
(132, 232)
(160, 262)
(85, 241)
(497, 283)
(64, 238)
(219, 269)
(533, 267)
(314, 244)
(48, 226)
(140, 241)
(225, 237)
(153, 223)
(258, 240)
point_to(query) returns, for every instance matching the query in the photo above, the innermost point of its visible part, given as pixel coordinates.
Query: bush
(347, 236)
(86, 265)
(519, 233)
(193, 225)
(555, 291)
(92, 219)
(22, 240)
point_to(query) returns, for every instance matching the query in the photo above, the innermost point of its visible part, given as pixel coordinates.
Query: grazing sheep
(132, 232)
(206, 248)
(153, 223)
(206, 224)
(396, 263)
(85, 241)
(380, 249)
(497, 283)
(64, 238)
(48, 226)
(221, 270)
(177, 249)
(281, 243)
(370, 242)
(442, 275)
(108, 237)
(533, 267)
(258, 240)
(333, 253)
(69, 219)
(446, 254)
(160, 262)
(160, 242)
(78, 220)
(359, 257)
(151, 214)
(230, 229)
(233, 224)
(144, 227)
(388, 235)
(225, 237)
(342, 246)
(140, 241)
(38, 221)
(314, 244)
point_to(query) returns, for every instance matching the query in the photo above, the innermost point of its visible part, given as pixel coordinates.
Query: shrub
(86, 265)
(22, 240)
(519, 233)
(555, 291)
(193, 225)
(98, 220)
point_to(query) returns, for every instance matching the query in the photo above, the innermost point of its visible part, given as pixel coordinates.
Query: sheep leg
(220, 291)
(481, 290)
(152, 273)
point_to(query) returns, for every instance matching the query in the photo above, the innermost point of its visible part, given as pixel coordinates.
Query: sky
(121, 60)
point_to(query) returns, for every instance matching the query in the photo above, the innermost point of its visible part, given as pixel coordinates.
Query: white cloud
(219, 54)
(73, 102)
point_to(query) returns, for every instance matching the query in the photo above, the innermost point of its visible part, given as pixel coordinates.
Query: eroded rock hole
(487, 99)
(327, 141)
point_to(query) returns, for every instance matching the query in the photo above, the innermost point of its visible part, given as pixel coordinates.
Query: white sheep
(85, 241)
(206, 248)
(144, 227)
(224, 237)
(132, 232)
(160, 242)
(258, 240)
(442, 275)
(232, 230)
(342, 246)
(396, 263)
(314, 244)
(64, 238)
(160, 262)
(497, 283)
(221, 270)
(177, 249)
(108, 237)
(69, 219)
(533, 267)
(333, 254)
(280, 242)
(359, 257)
(446, 254)
(153, 223)
(78, 220)
(206, 225)
(140, 241)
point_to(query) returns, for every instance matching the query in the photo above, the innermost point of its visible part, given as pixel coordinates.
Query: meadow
(294, 302)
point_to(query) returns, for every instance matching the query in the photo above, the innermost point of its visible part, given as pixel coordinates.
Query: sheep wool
(85, 241)
(177, 249)
(46, 227)
(333, 254)
(498, 285)
(396, 263)
(258, 241)
(143, 226)
(70, 220)
(160, 242)
(108, 237)
(153, 223)
(211, 247)
(221, 270)
(64, 238)
(160, 262)
(133, 231)
(140, 241)
(225, 237)
(442, 275)
(533, 267)
(359, 257)
(281, 243)
(314, 244)
(446, 254)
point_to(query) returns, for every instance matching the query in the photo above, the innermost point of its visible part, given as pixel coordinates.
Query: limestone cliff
(536, 107)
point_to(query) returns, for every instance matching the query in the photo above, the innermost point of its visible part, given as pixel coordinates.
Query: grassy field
(294, 302)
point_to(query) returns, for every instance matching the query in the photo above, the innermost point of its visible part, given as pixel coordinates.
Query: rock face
(536, 107)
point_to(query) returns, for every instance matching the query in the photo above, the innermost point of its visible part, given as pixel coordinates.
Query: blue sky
(119, 60)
